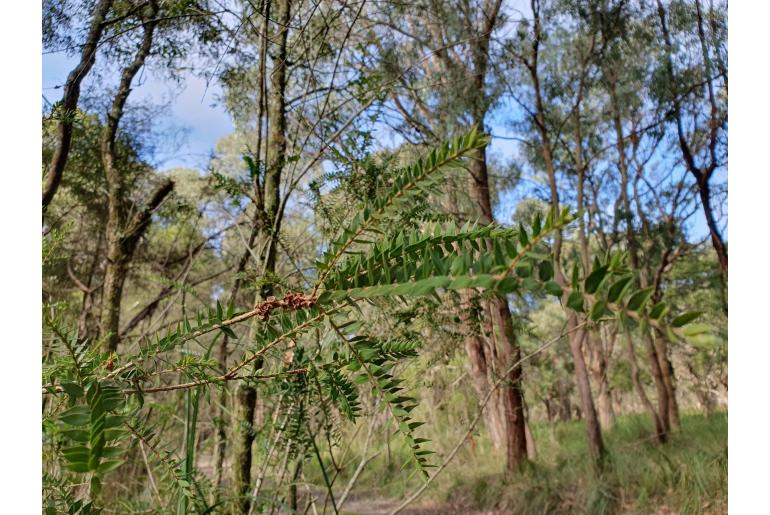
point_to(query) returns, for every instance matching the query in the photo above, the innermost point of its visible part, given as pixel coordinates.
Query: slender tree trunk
(244, 437)
(704, 192)
(593, 428)
(505, 350)
(667, 375)
(69, 101)
(220, 423)
(660, 432)
(588, 409)
(222, 353)
(271, 222)
(122, 238)
(598, 369)
(657, 354)
(660, 387)
(478, 371)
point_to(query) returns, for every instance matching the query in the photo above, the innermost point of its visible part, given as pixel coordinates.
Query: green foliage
(314, 350)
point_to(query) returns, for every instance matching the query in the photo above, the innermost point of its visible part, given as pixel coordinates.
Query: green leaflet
(639, 299)
(409, 183)
(595, 278)
(685, 318)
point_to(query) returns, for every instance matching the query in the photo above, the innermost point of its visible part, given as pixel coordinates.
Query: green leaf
(554, 289)
(109, 465)
(595, 278)
(77, 435)
(616, 290)
(545, 270)
(575, 301)
(507, 285)
(536, 224)
(598, 310)
(658, 310)
(80, 467)
(639, 299)
(74, 390)
(695, 329)
(685, 318)
(575, 275)
(523, 240)
(523, 270)
(76, 416)
(530, 284)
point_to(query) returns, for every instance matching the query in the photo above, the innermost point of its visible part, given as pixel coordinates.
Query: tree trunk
(660, 387)
(504, 350)
(121, 244)
(660, 432)
(244, 437)
(667, 375)
(477, 365)
(656, 352)
(69, 101)
(577, 336)
(121, 238)
(220, 420)
(598, 369)
(704, 192)
(593, 428)
(269, 225)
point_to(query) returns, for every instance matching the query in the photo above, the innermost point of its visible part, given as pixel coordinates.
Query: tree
(66, 110)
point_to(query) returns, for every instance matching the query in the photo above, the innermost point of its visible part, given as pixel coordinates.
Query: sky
(194, 109)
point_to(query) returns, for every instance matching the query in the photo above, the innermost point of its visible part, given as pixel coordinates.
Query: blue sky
(191, 109)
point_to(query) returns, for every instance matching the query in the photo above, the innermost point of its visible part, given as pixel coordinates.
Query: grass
(686, 475)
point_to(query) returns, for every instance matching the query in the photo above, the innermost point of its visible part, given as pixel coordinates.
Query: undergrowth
(687, 475)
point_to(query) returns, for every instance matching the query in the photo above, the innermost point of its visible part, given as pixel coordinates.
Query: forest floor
(686, 475)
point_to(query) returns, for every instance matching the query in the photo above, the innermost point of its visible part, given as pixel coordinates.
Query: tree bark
(598, 369)
(120, 253)
(122, 238)
(593, 428)
(588, 409)
(667, 375)
(244, 437)
(660, 386)
(503, 348)
(269, 225)
(69, 101)
(222, 353)
(660, 431)
(478, 371)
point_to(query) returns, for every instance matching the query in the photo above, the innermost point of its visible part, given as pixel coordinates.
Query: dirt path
(366, 505)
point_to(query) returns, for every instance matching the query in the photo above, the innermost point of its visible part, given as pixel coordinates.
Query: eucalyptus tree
(65, 110)
(446, 85)
(552, 97)
(692, 86)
